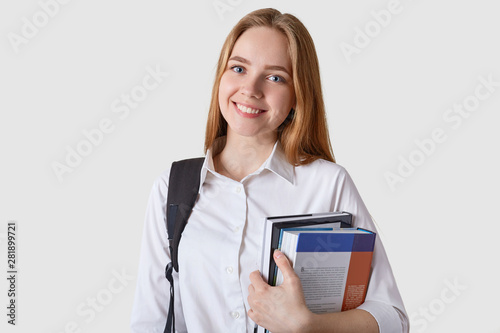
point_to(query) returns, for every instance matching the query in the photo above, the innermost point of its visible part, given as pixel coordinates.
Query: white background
(439, 226)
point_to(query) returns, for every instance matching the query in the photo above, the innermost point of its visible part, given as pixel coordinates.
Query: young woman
(268, 153)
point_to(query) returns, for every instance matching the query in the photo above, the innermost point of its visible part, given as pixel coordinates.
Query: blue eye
(237, 69)
(276, 78)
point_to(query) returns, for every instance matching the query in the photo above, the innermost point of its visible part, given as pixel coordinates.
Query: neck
(242, 155)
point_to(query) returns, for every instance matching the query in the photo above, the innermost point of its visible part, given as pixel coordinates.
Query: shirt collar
(276, 163)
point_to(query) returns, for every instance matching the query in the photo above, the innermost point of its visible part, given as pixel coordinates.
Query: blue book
(333, 266)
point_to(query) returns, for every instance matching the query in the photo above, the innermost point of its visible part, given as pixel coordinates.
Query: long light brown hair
(305, 138)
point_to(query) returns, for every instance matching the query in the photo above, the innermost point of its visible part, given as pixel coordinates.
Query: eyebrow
(274, 67)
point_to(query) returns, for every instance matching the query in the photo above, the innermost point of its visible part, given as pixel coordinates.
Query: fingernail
(277, 254)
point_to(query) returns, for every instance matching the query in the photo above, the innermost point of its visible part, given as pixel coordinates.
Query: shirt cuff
(389, 318)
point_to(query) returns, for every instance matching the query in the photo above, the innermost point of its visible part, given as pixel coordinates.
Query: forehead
(263, 46)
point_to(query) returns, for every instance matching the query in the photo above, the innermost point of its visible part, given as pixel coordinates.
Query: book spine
(359, 272)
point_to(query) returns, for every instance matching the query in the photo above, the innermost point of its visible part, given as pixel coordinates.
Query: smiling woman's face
(256, 90)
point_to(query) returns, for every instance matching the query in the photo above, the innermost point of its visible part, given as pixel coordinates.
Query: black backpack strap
(183, 189)
(183, 186)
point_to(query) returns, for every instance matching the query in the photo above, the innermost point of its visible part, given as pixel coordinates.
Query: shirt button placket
(236, 305)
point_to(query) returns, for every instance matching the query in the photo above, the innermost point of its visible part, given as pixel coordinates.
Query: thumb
(283, 264)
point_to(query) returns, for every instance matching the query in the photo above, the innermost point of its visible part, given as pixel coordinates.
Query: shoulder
(182, 168)
(325, 174)
(322, 175)
(160, 184)
(322, 168)
(163, 178)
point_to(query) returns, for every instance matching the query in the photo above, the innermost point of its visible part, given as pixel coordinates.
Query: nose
(251, 87)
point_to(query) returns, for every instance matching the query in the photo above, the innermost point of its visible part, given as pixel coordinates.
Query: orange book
(334, 266)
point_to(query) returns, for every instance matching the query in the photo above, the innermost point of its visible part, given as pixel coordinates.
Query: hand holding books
(271, 306)
(327, 269)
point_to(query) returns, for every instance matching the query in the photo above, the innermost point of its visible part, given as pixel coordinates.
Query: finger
(255, 316)
(257, 280)
(284, 264)
(251, 314)
(251, 289)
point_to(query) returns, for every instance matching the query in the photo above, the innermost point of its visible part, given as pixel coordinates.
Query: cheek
(225, 92)
(286, 101)
(225, 89)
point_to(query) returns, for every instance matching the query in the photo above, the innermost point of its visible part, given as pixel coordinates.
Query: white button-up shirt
(221, 245)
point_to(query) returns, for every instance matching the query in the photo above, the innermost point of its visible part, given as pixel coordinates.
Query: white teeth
(243, 108)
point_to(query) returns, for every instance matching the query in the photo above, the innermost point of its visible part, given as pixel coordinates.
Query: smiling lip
(247, 111)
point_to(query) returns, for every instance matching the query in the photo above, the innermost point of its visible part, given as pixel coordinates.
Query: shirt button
(229, 270)
(237, 229)
(238, 189)
(235, 314)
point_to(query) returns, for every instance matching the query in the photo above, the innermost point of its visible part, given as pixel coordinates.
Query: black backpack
(183, 186)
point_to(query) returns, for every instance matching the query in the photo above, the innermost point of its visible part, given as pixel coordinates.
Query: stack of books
(332, 259)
